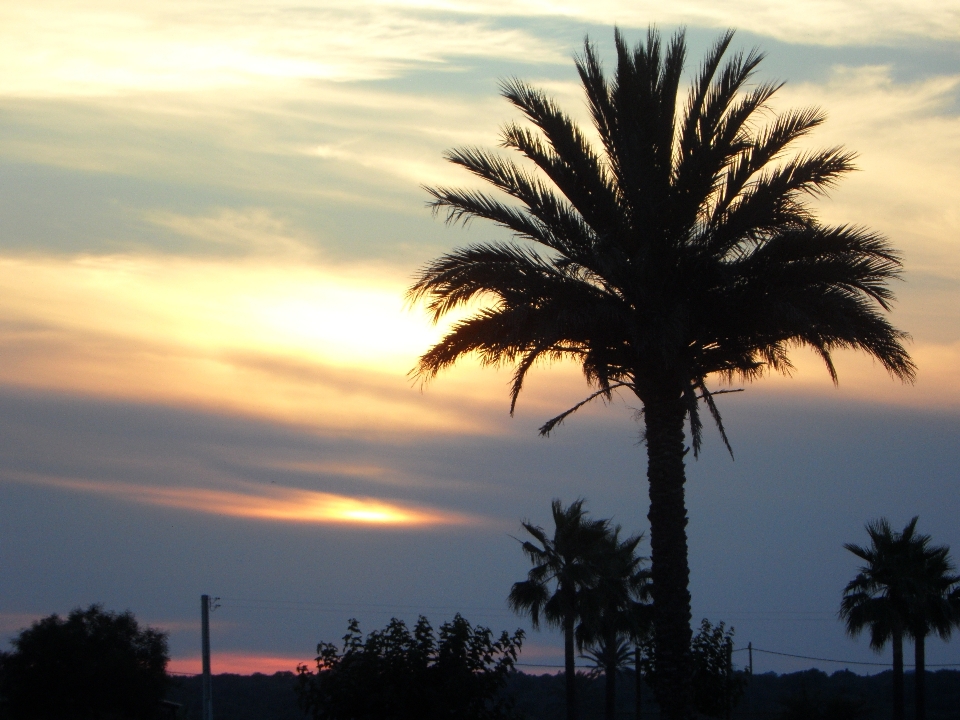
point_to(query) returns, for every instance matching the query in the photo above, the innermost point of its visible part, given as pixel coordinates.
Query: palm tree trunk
(570, 669)
(638, 679)
(664, 417)
(610, 681)
(898, 704)
(919, 675)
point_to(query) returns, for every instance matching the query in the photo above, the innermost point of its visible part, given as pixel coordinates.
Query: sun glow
(255, 502)
(288, 339)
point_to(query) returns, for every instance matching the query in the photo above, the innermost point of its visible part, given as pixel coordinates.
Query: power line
(842, 662)
(257, 603)
(325, 606)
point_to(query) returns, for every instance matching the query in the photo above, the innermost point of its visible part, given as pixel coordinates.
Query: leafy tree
(716, 686)
(92, 665)
(394, 674)
(614, 610)
(881, 595)
(681, 250)
(564, 566)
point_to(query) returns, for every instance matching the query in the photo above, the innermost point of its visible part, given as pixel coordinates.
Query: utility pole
(750, 652)
(206, 709)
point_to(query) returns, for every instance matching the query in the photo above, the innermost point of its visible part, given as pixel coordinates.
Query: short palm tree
(614, 610)
(881, 595)
(933, 609)
(564, 566)
(681, 249)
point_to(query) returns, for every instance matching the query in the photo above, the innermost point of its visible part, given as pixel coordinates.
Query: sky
(209, 215)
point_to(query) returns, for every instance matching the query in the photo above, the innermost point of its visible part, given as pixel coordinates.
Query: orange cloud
(253, 502)
(283, 340)
(863, 380)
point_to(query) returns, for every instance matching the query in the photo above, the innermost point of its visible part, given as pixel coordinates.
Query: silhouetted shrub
(93, 665)
(396, 675)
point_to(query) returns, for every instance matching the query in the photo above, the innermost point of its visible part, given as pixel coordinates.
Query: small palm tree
(933, 609)
(881, 595)
(564, 566)
(682, 251)
(614, 610)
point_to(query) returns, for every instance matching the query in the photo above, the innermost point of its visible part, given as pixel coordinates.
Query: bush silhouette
(93, 665)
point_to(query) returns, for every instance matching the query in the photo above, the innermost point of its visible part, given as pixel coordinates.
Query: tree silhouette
(883, 595)
(715, 686)
(91, 665)
(682, 249)
(933, 608)
(394, 674)
(564, 566)
(614, 610)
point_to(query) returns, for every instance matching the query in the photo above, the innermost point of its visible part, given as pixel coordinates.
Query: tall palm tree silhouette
(614, 610)
(564, 566)
(882, 594)
(682, 249)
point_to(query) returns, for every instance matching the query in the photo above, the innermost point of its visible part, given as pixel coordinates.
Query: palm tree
(681, 249)
(563, 567)
(609, 657)
(881, 595)
(933, 608)
(614, 610)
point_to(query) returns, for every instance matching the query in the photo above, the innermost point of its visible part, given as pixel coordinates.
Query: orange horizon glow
(238, 663)
(273, 503)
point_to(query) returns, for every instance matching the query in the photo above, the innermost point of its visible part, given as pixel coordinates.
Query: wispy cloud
(907, 136)
(60, 49)
(105, 47)
(827, 22)
(256, 502)
(322, 346)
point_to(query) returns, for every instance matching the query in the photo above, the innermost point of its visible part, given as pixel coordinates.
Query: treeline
(808, 695)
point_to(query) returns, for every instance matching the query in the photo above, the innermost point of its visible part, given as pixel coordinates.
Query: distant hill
(809, 695)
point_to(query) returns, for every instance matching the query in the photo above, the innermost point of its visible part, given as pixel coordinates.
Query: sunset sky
(209, 214)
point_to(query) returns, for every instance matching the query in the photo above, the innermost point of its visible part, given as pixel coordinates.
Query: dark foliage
(92, 665)
(818, 696)
(394, 674)
(716, 685)
(540, 697)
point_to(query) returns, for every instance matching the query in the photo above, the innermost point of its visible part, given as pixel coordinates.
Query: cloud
(907, 136)
(820, 22)
(266, 503)
(61, 50)
(296, 342)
